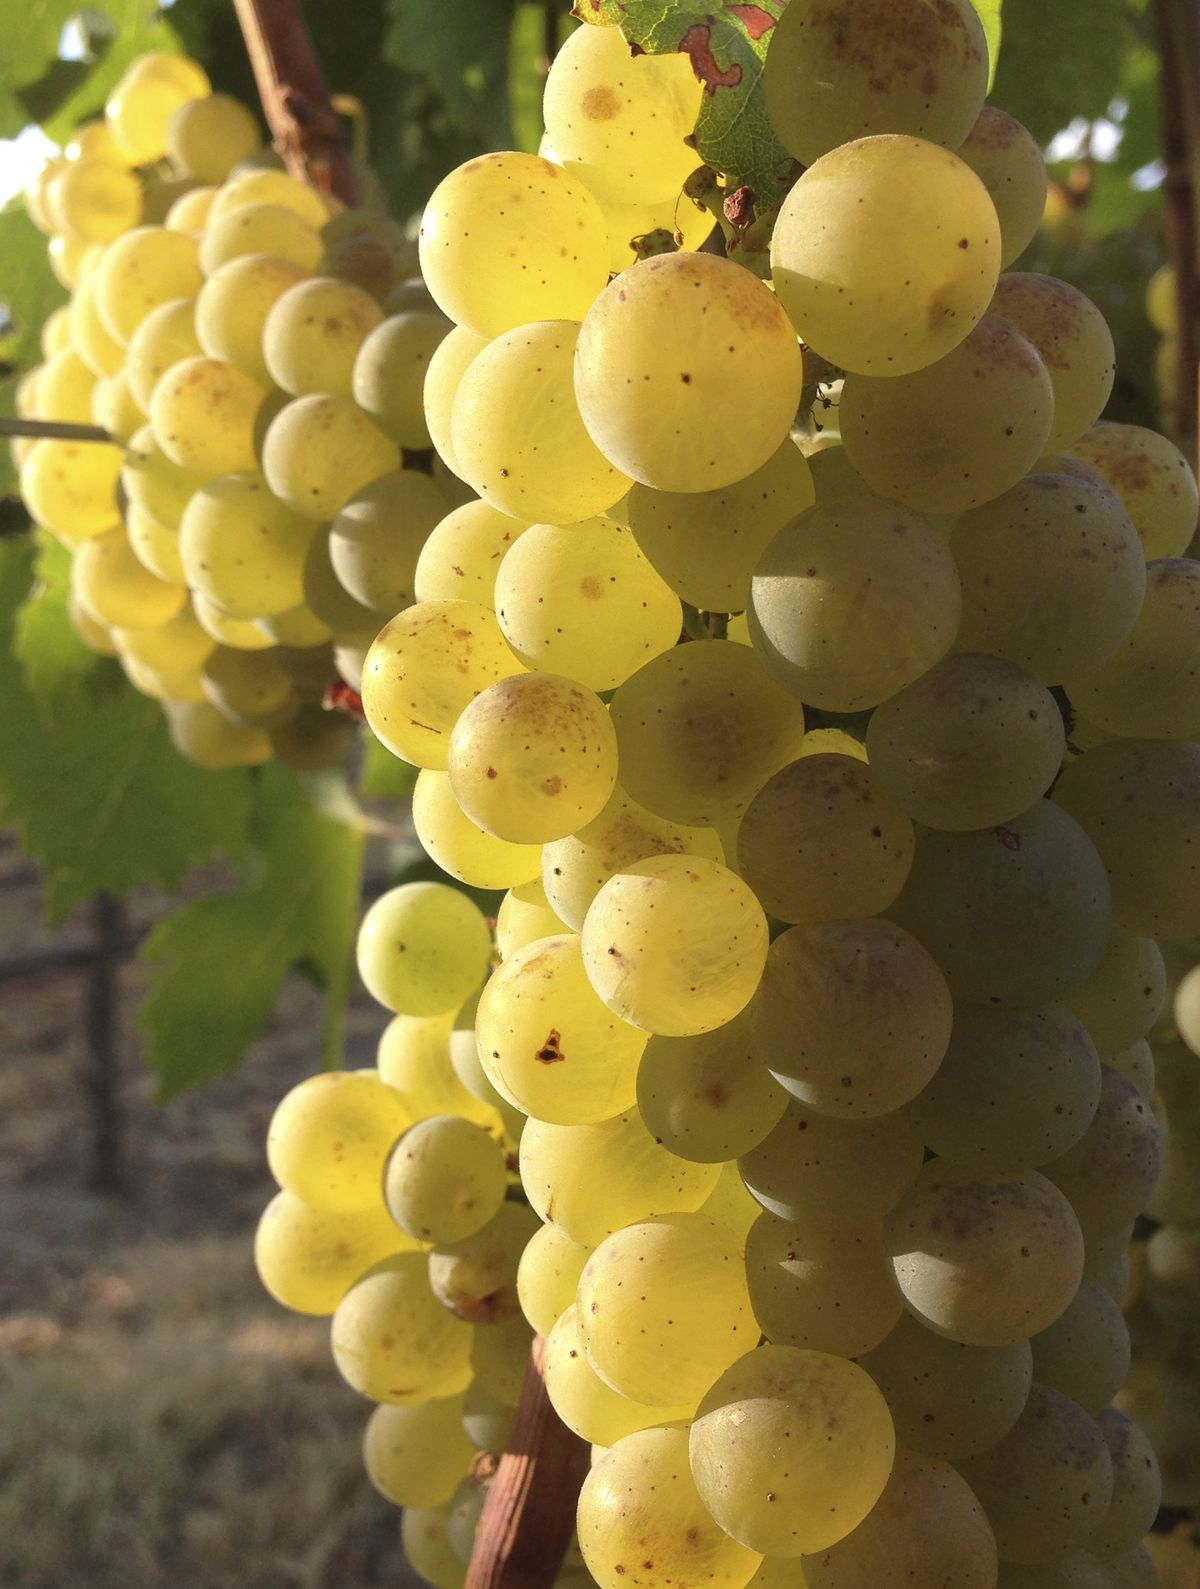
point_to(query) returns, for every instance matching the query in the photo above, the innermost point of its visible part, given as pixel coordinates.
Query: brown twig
(54, 429)
(1179, 78)
(295, 98)
(529, 1513)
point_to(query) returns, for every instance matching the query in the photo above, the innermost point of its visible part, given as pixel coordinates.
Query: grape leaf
(217, 963)
(87, 768)
(32, 30)
(989, 15)
(467, 64)
(1032, 82)
(727, 45)
(28, 288)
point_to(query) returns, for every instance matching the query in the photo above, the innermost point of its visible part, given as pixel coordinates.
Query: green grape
(114, 408)
(372, 251)
(831, 1291)
(675, 944)
(424, 669)
(927, 1527)
(582, 1400)
(64, 389)
(94, 139)
(852, 1018)
(949, 1400)
(464, 1061)
(1015, 915)
(548, 1276)
(664, 1309)
(461, 554)
(427, 1547)
(705, 543)
(1075, 1569)
(1053, 576)
(956, 433)
(394, 1341)
(617, 121)
(595, 1179)
(447, 366)
(262, 186)
(423, 949)
(296, 629)
(709, 1098)
(376, 539)
(154, 483)
(329, 1137)
(500, 1359)
(94, 634)
(312, 335)
(203, 413)
(835, 73)
(548, 1044)
(835, 1427)
(1153, 480)
(328, 599)
(843, 1174)
(90, 337)
(973, 742)
(308, 1258)
(415, 1455)
(1136, 1064)
(1085, 1353)
(170, 686)
(139, 109)
(1137, 1487)
(56, 332)
(466, 1508)
(445, 1179)
(870, 274)
(1009, 163)
(1185, 1004)
(233, 306)
(459, 846)
(70, 259)
(643, 1523)
(518, 437)
(165, 336)
(487, 1420)
(389, 374)
(525, 915)
(140, 270)
(1047, 1484)
(533, 757)
(178, 643)
(70, 487)
(240, 634)
(1149, 688)
(984, 1261)
(1016, 1089)
(582, 600)
(700, 730)
(257, 230)
(247, 686)
(509, 238)
(206, 138)
(852, 601)
(574, 869)
(414, 1058)
(207, 738)
(476, 1277)
(244, 549)
(823, 840)
(1111, 1170)
(1139, 802)
(319, 451)
(1074, 341)
(687, 373)
(116, 587)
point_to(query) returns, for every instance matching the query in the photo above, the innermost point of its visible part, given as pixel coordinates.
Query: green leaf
(217, 964)
(989, 15)
(28, 288)
(87, 768)
(32, 29)
(727, 45)
(1060, 61)
(381, 775)
(64, 98)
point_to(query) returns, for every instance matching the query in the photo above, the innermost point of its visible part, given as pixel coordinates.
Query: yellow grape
(247, 686)
(394, 1341)
(233, 306)
(180, 643)
(447, 366)
(203, 735)
(206, 138)
(308, 1258)
(445, 1179)
(1110, 1172)
(1125, 995)
(258, 229)
(462, 848)
(244, 549)
(588, 1406)
(1153, 480)
(461, 555)
(139, 109)
(548, 1276)
(1007, 160)
(64, 389)
(376, 540)
(1074, 341)
(139, 271)
(330, 1136)
(389, 374)
(90, 336)
(313, 332)
(321, 450)
(423, 949)
(263, 186)
(114, 585)
(114, 408)
(525, 915)
(71, 487)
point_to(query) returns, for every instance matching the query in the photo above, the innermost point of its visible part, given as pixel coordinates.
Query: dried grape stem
(529, 1513)
(54, 429)
(295, 98)
(1179, 76)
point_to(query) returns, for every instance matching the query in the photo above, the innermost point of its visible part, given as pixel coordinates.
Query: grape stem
(295, 99)
(1179, 79)
(54, 429)
(529, 1513)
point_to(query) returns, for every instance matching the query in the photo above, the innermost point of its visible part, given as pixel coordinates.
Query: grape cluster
(255, 352)
(830, 944)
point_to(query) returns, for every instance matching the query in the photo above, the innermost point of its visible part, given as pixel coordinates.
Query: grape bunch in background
(255, 352)
(816, 1044)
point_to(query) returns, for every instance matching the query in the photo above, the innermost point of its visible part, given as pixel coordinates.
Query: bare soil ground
(163, 1423)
